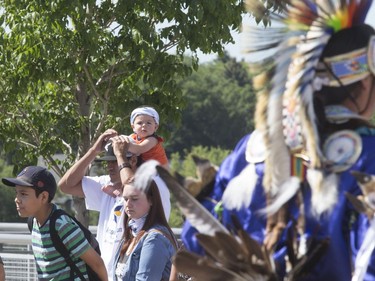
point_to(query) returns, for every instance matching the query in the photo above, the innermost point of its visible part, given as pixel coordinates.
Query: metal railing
(16, 251)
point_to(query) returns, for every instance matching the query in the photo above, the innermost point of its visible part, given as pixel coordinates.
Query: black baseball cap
(36, 177)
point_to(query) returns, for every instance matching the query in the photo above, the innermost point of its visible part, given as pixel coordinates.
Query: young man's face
(26, 201)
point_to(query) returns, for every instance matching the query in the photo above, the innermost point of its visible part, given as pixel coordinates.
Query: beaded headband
(347, 68)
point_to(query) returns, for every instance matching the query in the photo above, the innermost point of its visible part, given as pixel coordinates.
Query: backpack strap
(59, 245)
(30, 221)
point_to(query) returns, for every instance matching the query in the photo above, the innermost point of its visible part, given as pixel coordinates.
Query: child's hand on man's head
(120, 144)
(103, 139)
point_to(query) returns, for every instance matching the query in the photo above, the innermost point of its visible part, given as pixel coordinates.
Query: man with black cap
(35, 188)
(94, 190)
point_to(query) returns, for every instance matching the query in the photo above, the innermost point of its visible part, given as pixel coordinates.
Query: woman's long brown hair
(155, 216)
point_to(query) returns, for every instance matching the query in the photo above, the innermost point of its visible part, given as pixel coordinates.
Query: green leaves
(220, 107)
(261, 9)
(71, 69)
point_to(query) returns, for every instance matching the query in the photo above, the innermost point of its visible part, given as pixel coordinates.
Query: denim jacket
(151, 258)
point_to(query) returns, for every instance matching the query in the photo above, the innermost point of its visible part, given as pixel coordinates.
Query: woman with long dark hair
(148, 244)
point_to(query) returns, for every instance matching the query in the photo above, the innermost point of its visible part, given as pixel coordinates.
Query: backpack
(60, 247)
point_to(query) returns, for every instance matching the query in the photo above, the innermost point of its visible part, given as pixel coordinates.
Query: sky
(237, 50)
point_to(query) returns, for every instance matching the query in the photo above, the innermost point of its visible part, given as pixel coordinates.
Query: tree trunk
(84, 102)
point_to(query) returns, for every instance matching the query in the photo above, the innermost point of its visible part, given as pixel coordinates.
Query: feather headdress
(286, 83)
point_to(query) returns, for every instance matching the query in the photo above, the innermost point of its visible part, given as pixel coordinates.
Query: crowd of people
(301, 181)
(135, 239)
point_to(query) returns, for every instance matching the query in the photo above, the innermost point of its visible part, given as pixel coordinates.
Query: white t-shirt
(111, 214)
(111, 217)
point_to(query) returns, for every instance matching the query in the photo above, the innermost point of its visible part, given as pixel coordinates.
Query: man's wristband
(124, 165)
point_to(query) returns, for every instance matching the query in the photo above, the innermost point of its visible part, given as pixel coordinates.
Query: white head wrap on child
(146, 111)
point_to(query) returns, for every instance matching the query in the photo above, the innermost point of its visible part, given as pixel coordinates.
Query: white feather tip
(324, 191)
(287, 190)
(145, 173)
(239, 190)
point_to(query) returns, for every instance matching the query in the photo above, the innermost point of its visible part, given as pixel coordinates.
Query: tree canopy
(72, 68)
(220, 107)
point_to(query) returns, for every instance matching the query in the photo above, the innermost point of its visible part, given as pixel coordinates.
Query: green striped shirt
(50, 264)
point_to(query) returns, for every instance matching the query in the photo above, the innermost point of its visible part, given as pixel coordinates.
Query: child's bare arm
(144, 146)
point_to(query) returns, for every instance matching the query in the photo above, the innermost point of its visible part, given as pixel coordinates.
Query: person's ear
(45, 196)
(156, 127)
